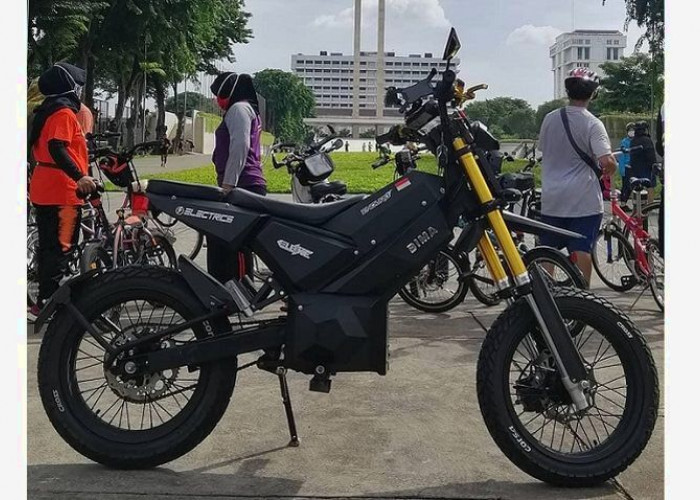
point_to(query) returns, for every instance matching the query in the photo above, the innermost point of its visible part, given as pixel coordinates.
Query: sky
(505, 43)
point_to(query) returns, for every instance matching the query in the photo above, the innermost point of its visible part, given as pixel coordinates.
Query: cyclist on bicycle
(61, 175)
(571, 193)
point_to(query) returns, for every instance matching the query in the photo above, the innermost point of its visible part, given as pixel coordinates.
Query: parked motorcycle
(310, 167)
(138, 364)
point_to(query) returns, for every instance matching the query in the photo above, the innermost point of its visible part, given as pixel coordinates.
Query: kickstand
(284, 389)
(638, 297)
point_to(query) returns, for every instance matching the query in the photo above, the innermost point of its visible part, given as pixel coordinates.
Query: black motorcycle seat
(321, 189)
(307, 213)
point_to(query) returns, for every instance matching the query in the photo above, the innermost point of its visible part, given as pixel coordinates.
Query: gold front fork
(505, 241)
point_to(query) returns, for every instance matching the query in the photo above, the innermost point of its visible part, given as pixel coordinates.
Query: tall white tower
(356, 61)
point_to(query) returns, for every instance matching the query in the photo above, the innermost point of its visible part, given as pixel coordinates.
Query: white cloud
(533, 35)
(418, 13)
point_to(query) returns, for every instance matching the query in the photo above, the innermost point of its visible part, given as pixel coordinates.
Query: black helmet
(582, 84)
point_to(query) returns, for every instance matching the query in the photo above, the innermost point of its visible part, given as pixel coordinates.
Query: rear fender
(62, 297)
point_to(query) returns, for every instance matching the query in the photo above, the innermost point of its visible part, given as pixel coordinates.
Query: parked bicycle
(119, 168)
(129, 240)
(622, 265)
(567, 386)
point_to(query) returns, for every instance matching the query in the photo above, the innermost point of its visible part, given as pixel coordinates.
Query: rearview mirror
(452, 46)
(332, 130)
(338, 144)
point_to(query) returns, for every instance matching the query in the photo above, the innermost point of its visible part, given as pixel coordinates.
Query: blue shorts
(585, 226)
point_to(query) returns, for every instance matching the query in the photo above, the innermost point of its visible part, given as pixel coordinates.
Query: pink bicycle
(622, 265)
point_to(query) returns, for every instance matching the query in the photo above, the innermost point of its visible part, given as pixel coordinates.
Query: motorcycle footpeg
(320, 383)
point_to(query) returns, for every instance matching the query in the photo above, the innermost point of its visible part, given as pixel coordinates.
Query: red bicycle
(622, 265)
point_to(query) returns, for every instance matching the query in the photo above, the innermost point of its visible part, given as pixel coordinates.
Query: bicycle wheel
(183, 239)
(656, 278)
(613, 260)
(32, 267)
(157, 251)
(480, 281)
(558, 269)
(650, 217)
(165, 220)
(95, 256)
(439, 285)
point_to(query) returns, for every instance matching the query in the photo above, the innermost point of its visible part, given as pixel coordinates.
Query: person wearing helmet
(623, 163)
(642, 160)
(575, 152)
(60, 177)
(236, 159)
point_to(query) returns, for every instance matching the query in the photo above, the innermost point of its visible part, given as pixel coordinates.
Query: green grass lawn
(355, 169)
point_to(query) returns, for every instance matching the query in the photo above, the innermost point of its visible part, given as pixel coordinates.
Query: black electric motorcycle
(138, 364)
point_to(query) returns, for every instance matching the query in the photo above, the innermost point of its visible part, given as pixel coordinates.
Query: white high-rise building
(330, 78)
(584, 48)
(349, 89)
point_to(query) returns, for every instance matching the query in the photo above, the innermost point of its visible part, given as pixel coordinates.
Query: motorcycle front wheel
(140, 421)
(529, 413)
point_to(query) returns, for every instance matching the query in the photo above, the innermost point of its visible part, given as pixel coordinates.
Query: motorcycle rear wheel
(139, 422)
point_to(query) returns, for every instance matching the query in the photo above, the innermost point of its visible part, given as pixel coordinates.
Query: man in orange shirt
(60, 178)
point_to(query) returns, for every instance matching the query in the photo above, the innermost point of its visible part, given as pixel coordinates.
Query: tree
(506, 116)
(194, 100)
(650, 15)
(631, 85)
(288, 102)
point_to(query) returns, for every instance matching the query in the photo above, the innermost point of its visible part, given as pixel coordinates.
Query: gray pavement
(415, 433)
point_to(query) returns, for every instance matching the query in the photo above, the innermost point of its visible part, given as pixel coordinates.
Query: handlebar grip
(379, 163)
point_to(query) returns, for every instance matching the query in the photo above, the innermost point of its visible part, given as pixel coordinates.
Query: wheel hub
(142, 387)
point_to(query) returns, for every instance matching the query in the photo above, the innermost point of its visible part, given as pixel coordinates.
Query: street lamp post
(143, 131)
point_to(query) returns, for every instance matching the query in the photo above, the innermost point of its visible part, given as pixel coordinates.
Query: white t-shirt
(570, 188)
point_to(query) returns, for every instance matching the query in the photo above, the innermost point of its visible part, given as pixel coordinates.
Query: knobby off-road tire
(514, 427)
(442, 275)
(118, 443)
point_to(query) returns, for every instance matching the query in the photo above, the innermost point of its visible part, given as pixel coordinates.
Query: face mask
(222, 102)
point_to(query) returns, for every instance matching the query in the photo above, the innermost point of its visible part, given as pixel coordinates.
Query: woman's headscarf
(61, 84)
(235, 87)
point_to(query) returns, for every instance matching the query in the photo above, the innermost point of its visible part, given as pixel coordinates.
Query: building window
(613, 54)
(583, 53)
(617, 42)
(587, 42)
